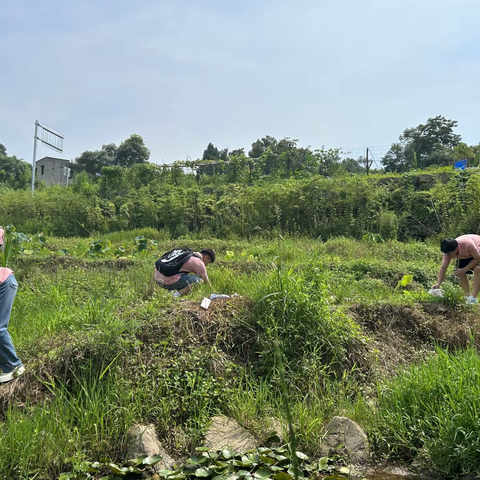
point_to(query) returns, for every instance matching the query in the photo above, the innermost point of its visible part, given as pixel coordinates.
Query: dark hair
(448, 245)
(210, 252)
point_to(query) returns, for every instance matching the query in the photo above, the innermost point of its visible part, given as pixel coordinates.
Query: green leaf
(406, 279)
(335, 477)
(282, 461)
(164, 472)
(203, 472)
(202, 449)
(301, 455)
(299, 474)
(116, 469)
(228, 453)
(244, 473)
(264, 450)
(262, 473)
(282, 476)
(267, 460)
(152, 460)
(138, 460)
(323, 463)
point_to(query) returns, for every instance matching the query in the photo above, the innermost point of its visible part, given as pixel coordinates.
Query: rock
(143, 440)
(277, 431)
(423, 182)
(226, 432)
(345, 433)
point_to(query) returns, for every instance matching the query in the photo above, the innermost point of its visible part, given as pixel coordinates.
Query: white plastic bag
(214, 296)
(436, 292)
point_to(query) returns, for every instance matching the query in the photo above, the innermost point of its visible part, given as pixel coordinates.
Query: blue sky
(183, 73)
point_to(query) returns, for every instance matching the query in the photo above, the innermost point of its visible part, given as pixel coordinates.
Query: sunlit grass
(86, 313)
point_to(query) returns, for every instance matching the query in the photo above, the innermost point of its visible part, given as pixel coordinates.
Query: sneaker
(176, 294)
(471, 300)
(16, 372)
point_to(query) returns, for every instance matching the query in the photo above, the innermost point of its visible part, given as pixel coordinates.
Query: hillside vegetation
(414, 205)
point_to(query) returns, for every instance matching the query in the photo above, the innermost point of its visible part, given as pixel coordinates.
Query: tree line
(433, 143)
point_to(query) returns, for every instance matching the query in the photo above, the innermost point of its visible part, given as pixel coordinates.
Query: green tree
(211, 152)
(237, 152)
(260, 146)
(94, 161)
(328, 161)
(353, 166)
(426, 144)
(395, 160)
(463, 151)
(14, 172)
(131, 152)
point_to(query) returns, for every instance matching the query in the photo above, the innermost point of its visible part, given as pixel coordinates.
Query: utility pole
(34, 155)
(50, 137)
(367, 165)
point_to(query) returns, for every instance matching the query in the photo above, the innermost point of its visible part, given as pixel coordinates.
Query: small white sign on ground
(205, 303)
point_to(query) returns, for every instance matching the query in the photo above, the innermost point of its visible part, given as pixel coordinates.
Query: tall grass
(86, 420)
(432, 410)
(296, 311)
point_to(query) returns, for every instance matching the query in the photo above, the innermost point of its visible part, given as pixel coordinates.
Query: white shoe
(16, 372)
(470, 300)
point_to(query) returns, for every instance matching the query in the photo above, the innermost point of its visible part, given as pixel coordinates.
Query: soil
(403, 334)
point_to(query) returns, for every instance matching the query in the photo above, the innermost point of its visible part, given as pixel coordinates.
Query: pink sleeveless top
(4, 274)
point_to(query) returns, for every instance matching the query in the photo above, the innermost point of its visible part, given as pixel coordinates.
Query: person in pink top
(10, 365)
(192, 271)
(466, 250)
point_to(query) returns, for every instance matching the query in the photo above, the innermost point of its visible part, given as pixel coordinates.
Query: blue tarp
(460, 165)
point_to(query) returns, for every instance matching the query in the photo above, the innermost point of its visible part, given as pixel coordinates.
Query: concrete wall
(52, 171)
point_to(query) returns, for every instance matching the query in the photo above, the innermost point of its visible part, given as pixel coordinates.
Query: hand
(436, 286)
(460, 271)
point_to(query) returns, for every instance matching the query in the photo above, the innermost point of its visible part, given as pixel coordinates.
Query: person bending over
(192, 271)
(465, 249)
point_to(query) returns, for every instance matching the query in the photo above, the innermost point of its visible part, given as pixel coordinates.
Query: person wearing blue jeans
(10, 365)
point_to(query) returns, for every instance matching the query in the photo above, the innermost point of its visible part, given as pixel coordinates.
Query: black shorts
(463, 262)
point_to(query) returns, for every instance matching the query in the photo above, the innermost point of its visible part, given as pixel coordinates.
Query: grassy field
(106, 348)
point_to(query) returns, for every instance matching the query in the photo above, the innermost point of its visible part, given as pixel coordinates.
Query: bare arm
(442, 272)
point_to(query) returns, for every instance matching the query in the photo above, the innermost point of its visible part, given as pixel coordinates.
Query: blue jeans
(8, 357)
(185, 280)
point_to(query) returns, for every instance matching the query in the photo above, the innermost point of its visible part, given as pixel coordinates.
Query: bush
(295, 310)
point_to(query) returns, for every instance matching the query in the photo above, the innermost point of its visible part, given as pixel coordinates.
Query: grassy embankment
(106, 348)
